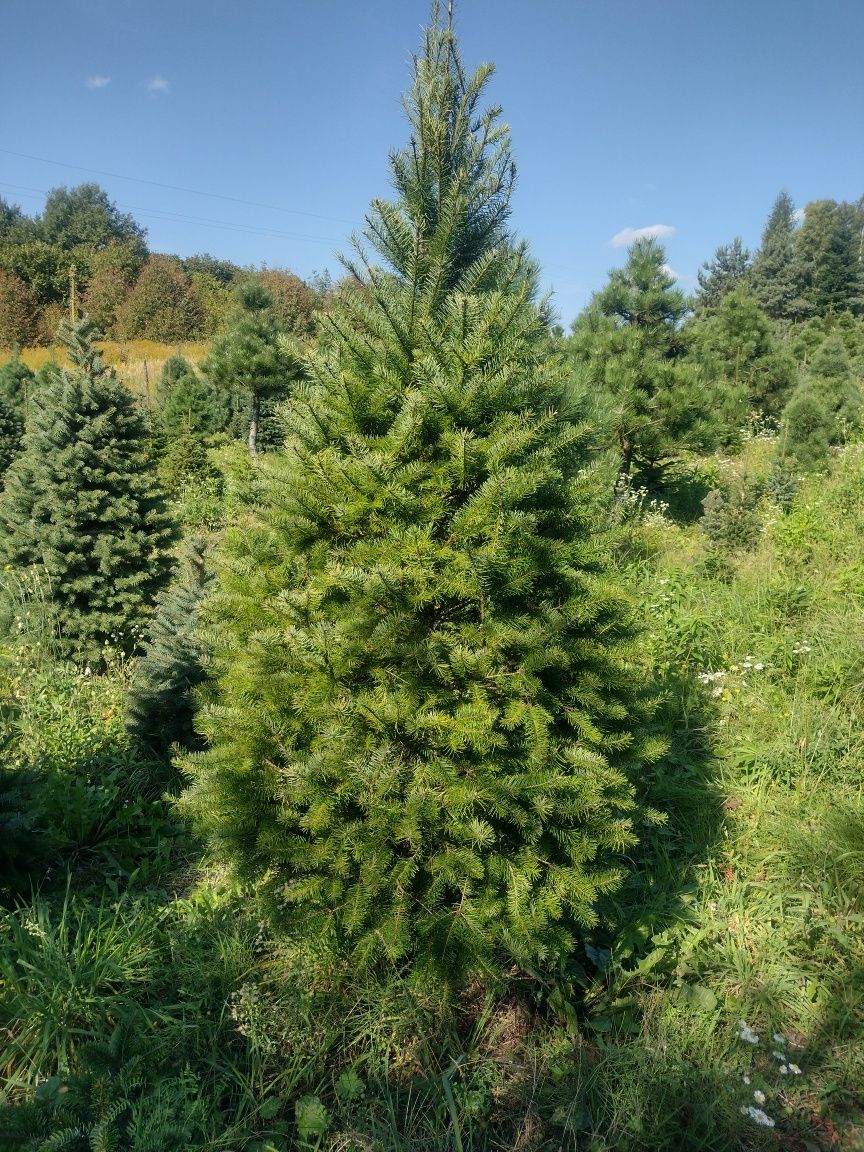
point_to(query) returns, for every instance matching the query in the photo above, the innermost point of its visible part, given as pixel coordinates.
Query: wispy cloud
(684, 277)
(628, 235)
(97, 82)
(798, 215)
(158, 86)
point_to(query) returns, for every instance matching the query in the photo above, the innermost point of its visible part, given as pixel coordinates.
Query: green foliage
(828, 249)
(112, 272)
(630, 344)
(830, 378)
(251, 356)
(16, 384)
(727, 272)
(775, 279)
(11, 435)
(44, 268)
(19, 313)
(214, 300)
(427, 703)
(294, 303)
(193, 407)
(173, 369)
(89, 801)
(85, 216)
(65, 977)
(162, 304)
(80, 502)
(731, 517)
(160, 705)
(805, 431)
(737, 343)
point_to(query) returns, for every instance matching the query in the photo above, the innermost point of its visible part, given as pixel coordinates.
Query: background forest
(423, 727)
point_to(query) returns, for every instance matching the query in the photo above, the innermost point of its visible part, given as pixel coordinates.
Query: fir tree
(11, 435)
(193, 407)
(16, 384)
(426, 705)
(775, 278)
(729, 270)
(804, 433)
(828, 247)
(81, 502)
(160, 705)
(832, 382)
(737, 343)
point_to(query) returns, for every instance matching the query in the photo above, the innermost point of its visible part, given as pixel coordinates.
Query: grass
(138, 362)
(191, 1027)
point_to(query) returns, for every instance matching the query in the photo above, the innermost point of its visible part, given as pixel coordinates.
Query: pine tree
(775, 278)
(426, 703)
(250, 356)
(631, 344)
(160, 705)
(81, 502)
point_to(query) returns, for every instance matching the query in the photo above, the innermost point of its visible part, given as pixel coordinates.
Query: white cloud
(798, 215)
(670, 271)
(627, 235)
(97, 82)
(158, 86)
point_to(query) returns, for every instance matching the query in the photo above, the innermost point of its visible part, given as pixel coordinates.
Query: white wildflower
(758, 667)
(784, 1071)
(794, 1069)
(778, 1039)
(778, 1055)
(746, 1033)
(746, 1079)
(759, 1096)
(757, 1115)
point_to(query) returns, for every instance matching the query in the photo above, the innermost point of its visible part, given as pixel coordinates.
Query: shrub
(19, 312)
(161, 305)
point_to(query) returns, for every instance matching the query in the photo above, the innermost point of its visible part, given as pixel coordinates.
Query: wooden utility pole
(73, 296)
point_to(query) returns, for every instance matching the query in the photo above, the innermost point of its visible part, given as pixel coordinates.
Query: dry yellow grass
(138, 362)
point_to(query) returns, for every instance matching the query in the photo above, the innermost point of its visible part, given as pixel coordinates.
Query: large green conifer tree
(425, 706)
(80, 501)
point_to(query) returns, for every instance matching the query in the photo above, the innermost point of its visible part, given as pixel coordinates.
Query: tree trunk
(254, 417)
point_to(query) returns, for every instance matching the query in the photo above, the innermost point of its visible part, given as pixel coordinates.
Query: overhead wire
(166, 214)
(177, 188)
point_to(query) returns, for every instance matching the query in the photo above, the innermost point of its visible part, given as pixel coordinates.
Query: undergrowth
(718, 1005)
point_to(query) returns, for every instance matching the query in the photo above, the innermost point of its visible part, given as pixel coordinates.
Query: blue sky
(625, 114)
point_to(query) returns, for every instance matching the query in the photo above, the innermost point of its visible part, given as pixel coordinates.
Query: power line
(167, 215)
(176, 187)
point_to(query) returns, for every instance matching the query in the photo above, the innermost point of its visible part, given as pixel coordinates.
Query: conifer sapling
(426, 705)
